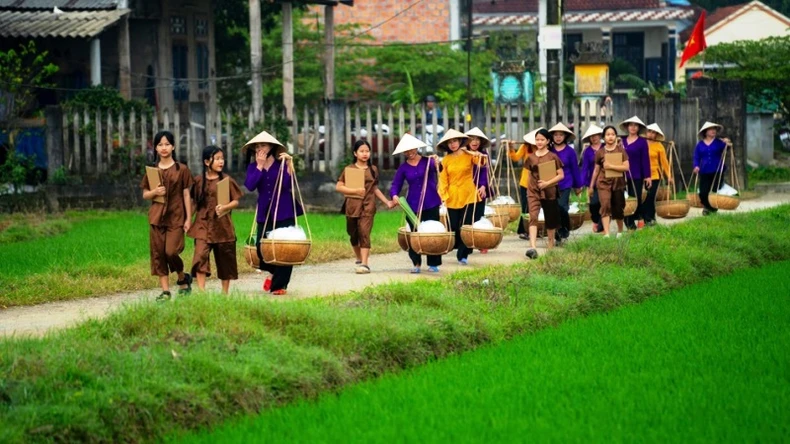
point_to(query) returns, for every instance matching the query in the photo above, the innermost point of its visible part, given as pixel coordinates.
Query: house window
(202, 64)
(201, 27)
(180, 72)
(630, 46)
(569, 42)
(178, 25)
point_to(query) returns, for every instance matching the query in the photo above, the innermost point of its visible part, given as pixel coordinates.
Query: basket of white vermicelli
(499, 220)
(481, 235)
(431, 238)
(286, 246)
(506, 205)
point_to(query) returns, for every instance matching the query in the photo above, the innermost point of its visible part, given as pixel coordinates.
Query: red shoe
(280, 292)
(484, 251)
(640, 225)
(267, 284)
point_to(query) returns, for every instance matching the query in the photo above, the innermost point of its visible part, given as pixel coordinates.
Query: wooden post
(329, 52)
(256, 57)
(229, 131)
(90, 166)
(76, 129)
(109, 136)
(306, 140)
(288, 55)
(124, 59)
(379, 138)
(99, 150)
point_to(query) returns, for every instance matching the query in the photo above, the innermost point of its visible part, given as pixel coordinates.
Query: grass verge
(149, 369)
(104, 253)
(705, 363)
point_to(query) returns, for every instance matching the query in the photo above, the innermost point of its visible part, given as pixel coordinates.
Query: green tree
(761, 65)
(22, 71)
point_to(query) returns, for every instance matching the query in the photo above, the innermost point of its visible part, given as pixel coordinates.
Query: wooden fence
(97, 141)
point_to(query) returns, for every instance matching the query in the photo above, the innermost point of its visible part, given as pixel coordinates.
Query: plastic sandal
(165, 296)
(415, 270)
(363, 269)
(267, 284)
(186, 281)
(433, 269)
(280, 292)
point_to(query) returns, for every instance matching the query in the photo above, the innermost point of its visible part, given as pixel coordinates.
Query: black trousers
(522, 193)
(595, 208)
(457, 219)
(649, 207)
(281, 274)
(630, 221)
(480, 209)
(563, 200)
(705, 186)
(416, 259)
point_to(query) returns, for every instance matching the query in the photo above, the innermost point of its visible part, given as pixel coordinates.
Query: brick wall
(428, 21)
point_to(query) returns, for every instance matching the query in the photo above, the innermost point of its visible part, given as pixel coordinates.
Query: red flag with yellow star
(696, 43)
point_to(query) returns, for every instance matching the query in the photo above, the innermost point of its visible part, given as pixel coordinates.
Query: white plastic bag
(727, 190)
(442, 210)
(574, 208)
(541, 217)
(287, 233)
(431, 226)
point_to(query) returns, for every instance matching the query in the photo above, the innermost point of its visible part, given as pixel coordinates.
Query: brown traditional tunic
(366, 206)
(531, 164)
(208, 226)
(172, 213)
(612, 183)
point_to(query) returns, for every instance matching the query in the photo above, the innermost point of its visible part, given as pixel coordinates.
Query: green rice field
(707, 363)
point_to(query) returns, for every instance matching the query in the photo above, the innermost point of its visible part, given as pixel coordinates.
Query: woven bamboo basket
(432, 244)
(587, 215)
(499, 220)
(513, 211)
(662, 193)
(251, 255)
(444, 219)
(630, 206)
(672, 209)
(693, 199)
(481, 238)
(541, 226)
(577, 220)
(403, 238)
(722, 202)
(285, 252)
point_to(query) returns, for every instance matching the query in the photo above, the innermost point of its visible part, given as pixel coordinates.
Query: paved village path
(324, 279)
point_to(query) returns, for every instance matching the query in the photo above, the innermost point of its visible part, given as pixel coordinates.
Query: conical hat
(450, 135)
(265, 137)
(591, 131)
(485, 142)
(657, 129)
(709, 125)
(408, 143)
(624, 124)
(530, 136)
(564, 129)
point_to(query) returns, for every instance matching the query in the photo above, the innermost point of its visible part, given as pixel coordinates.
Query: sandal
(186, 281)
(415, 270)
(165, 296)
(363, 269)
(267, 283)
(532, 253)
(279, 292)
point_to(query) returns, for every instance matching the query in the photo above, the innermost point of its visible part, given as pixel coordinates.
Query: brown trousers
(612, 203)
(166, 243)
(358, 229)
(551, 212)
(224, 257)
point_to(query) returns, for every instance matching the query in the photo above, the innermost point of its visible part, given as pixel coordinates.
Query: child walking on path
(213, 228)
(361, 210)
(169, 220)
(561, 139)
(523, 153)
(542, 193)
(262, 173)
(611, 191)
(593, 137)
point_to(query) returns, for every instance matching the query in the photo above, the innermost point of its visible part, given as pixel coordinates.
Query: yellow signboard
(591, 80)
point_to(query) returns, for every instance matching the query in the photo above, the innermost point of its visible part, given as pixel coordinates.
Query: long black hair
(359, 144)
(545, 133)
(208, 154)
(170, 138)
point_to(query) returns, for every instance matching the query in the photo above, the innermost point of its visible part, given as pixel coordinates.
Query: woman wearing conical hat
(659, 167)
(542, 194)
(522, 154)
(638, 176)
(413, 172)
(479, 142)
(708, 161)
(593, 138)
(457, 187)
(560, 144)
(262, 172)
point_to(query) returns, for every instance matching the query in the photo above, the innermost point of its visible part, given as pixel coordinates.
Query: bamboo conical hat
(561, 127)
(624, 124)
(707, 126)
(450, 135)
(485, 142)
(591, 131)
(659, 134)
(265, 137)
(407, 143)
(530, 136)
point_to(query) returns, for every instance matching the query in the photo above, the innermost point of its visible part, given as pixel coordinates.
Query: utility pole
(329, 51)
(553, 17)
(288, 56)
(468, 51)
(255, 58)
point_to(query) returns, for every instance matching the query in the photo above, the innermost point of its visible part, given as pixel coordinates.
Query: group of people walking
(456, 185)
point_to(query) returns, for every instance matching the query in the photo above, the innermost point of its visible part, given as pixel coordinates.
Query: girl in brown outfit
(540, 193)
(361, 210)
(611, 191)
(213, 228)
(169, 220)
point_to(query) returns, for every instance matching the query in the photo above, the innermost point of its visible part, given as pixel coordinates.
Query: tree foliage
(22, 71)
(762, 65)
